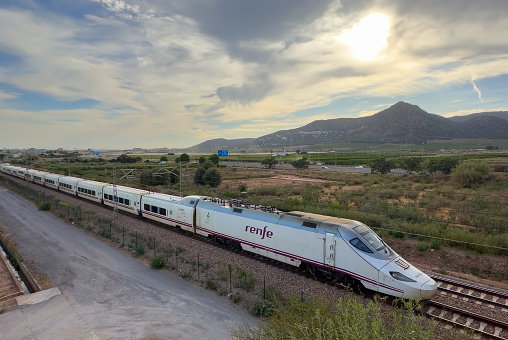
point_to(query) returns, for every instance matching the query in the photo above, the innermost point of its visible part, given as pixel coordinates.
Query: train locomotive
(335, 246)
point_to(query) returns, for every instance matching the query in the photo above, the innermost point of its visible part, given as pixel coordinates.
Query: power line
(440, 238)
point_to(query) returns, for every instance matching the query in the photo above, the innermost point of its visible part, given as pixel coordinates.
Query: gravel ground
(213, 260)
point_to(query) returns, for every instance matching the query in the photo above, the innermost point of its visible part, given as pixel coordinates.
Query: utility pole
(115, 191)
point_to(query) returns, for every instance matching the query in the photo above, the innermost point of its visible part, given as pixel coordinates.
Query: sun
(368, 38)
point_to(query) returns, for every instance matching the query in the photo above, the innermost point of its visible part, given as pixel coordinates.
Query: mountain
(498, 114)
(402, 123)
(222, 144)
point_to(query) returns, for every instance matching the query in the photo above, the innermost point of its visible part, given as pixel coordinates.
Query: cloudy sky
(158, 73)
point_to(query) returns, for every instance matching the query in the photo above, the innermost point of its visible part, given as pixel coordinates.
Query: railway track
(481, 310)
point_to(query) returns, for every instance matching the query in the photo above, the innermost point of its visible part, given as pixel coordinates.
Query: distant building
(34, 151)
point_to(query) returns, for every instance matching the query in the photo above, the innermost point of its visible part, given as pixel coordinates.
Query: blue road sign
(222, 153)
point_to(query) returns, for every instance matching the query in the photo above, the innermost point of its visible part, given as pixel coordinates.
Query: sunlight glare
(368, 38)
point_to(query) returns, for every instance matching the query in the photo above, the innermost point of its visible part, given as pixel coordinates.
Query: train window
(309, 224)
(93, 192)
(360, 245)
(236, 210)
(120, 200)
(192, 202)
(162, 211)
(147, 207)
(155, 209)
(373, 241)
(127, 202)
(361, 229)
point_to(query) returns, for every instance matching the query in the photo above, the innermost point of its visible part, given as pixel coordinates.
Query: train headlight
(401, 277)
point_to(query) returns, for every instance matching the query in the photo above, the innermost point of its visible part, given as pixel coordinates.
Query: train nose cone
(429, 289)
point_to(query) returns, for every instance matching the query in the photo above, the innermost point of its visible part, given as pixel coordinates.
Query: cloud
(247, 93)
(177, 66)
(4, 95)
(477, 90)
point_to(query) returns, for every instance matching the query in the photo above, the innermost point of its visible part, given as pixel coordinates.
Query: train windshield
(370, 237)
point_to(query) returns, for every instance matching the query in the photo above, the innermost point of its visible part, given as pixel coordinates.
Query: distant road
(335, 168)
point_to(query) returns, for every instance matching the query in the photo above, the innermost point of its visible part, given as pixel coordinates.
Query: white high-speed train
(335, 246)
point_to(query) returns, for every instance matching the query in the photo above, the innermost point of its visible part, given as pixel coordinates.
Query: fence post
(264, 287)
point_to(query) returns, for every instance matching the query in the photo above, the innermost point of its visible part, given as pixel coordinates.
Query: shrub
(423, 246)
(435, 244)
(470, 173)
(140, 250)
(105, 233)
(45, 206)
(157, 262)
(336, 319)
(246, 279)
(242, 187)
(235, 297)
(212, 284)
(262, 308)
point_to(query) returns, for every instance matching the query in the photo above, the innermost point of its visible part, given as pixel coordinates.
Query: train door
(329, 250)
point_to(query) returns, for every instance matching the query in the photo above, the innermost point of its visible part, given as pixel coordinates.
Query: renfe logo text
(259, 231)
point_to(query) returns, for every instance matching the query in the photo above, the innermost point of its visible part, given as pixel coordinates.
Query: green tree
(470, 173)
(202, 160)
(208, 164)
(177, 160)
(198, 176)
(128, 159)
(412, 164)
(212, 177)
(214, 158)
(164, 158)
(445, 165)
(302, 163)
(184, 158)
(269, 163)
(382, 166)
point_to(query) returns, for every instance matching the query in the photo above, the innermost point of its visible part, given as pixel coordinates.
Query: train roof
(89, 182)
(122, 188)
(296, 219)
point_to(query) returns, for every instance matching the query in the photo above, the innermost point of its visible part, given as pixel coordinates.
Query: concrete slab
(38, 297)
